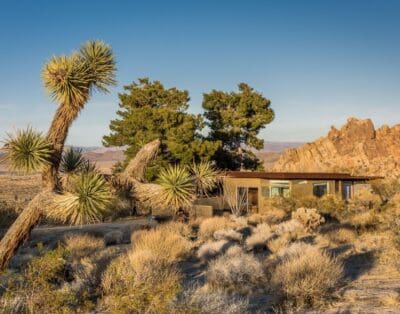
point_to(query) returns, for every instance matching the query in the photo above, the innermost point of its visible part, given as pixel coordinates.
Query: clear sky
(318, 61)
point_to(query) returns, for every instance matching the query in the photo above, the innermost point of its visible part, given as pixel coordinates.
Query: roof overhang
(298, 175)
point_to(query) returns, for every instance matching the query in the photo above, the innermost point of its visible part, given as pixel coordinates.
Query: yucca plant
(27, 151)
(70, 80)
(72, 161)
(178, 190)
(86, 202)
(205, 177)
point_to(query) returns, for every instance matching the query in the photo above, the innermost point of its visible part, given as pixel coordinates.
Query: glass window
(320, 189)
(265, 191)
(280, 190)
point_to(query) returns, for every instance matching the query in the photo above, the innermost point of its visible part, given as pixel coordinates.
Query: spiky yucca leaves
(67, 79)
(70, 79)
(101, 65)
(72, 161)
(87, 201)
(205, 177)
(27, 151)
(178, 190)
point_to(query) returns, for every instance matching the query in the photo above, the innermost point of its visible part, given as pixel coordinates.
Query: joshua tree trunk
(30, 216)
(21, 228)
(56, 136)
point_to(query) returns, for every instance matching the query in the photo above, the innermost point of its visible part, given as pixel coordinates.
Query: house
(251, 189)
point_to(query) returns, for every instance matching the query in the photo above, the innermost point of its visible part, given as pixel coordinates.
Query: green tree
(235, 119)
(149, 111)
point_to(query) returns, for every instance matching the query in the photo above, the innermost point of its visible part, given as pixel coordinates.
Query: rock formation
(357, 148)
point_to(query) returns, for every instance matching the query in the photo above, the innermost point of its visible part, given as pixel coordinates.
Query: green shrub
(38, 288)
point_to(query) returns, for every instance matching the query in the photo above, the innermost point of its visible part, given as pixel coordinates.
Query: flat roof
(298, 175)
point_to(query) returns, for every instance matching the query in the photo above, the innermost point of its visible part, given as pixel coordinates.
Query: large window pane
(320, 189)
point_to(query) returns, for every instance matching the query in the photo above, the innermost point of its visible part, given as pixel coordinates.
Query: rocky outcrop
(357, 148)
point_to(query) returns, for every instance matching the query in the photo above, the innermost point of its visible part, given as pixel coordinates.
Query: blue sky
(318, 61)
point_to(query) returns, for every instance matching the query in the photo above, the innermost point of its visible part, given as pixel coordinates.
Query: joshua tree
(70, 81)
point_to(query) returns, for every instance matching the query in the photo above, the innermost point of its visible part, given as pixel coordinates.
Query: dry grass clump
(308, 217)
(259, 237)
(277, 244)
(228, 234)
(363, 220)
(256, 219)
(83, 245)
(180, 228)
(200, 300)
(235, 271)
(146, 280)
(209, 225)
(164, 242)
(341, 236)
(272, 215)
(212, 249)
(118, 273)
(127, 292)
(292, 226)
(306, 275)
(391, 299)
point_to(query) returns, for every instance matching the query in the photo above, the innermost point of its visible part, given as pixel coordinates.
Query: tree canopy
(148, 111)
(235, 119)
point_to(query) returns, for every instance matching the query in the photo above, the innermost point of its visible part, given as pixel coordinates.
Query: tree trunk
(57, 135)
(137, 166)
(23, 225)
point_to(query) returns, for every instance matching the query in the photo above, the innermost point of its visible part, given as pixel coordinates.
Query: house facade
(253, 188)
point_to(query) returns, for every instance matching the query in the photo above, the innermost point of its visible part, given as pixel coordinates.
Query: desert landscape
(199, 157)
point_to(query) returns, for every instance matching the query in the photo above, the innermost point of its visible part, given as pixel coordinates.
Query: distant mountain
(356, 147)
(278, 147)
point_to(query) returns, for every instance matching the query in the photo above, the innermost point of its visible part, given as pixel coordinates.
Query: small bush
(271, 216)
(256, 219)
(228, 234)
(199, 300)
(163, 241)
(39, 288)
(125, 292)
(180, 228)
(308, 217)
(83, 245)
(209, 225)
(8, 214)
(119, 274)
(293, 226)
(258, 239)
(306, 275)
(342, 235)
(277, 244)
(212, 249)
(363, 220)
(235, 271)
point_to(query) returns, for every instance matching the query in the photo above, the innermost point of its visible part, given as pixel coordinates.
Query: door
(346, 190)
(247, 198)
